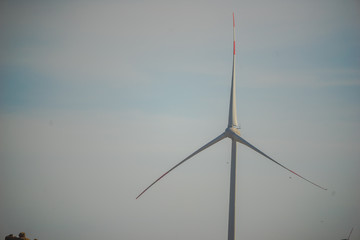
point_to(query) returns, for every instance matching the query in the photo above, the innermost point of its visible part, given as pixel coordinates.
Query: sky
(100, 98)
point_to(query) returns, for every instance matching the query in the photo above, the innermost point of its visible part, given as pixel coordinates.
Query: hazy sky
(99, 98)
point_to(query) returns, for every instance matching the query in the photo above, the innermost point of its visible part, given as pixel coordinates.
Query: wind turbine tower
(232, 131)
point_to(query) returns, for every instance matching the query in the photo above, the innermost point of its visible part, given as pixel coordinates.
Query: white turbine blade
(243, 141)
(232, 106)
(350, 233)
(212, 142)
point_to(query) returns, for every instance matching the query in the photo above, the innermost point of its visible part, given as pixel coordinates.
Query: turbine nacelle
(231, 132)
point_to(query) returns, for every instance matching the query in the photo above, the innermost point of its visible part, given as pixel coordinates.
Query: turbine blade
(212, 142)
(243, 141)
(232, 106)
(350, 233)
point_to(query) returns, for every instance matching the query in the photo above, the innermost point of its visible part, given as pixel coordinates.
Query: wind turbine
(232, 132)
(348, 238)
